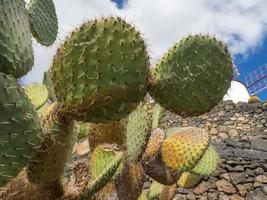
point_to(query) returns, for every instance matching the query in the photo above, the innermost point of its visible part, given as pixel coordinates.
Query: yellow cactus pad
(188, 180)
(184, 148)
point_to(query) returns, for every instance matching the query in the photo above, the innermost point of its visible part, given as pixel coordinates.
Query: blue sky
(245, 63)
(242, 24)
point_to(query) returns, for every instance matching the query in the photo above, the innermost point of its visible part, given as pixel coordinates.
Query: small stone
(236, 197)
(257, 184)
(239, 168)
(259, 171)
(262, 178)
(212, 195)
(237, 178)
(225, 176)
(242, 190)
(259, 144)
(223, 197)
(225, 186)
(256, 195)
(202, 188)
(223, 135)
(83, 148)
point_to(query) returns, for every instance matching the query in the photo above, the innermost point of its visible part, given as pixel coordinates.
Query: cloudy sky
(242, 24)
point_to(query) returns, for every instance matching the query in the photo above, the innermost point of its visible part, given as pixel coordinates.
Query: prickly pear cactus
(43, 21)
(100, 73)
(21, 132)
(16, 54)
(193, 76)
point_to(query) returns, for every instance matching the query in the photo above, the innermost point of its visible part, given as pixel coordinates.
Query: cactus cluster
(97, 88)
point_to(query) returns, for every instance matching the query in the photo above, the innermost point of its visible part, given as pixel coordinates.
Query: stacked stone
(239, 132)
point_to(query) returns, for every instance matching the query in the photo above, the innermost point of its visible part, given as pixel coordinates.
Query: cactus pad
(188, 180)
(100, 73)
(184, 148)
(37, 93)
(47, 81)
(48, 164)
(43, 21)
(155, 189)
(154, 144)
(137, 131)
(193, 76)
(103, 178)
(16, 54)
(102, 156)
(208, 163)
(158, 112)
(20, 129)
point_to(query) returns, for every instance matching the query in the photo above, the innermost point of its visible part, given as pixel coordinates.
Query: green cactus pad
(20, 129)
(37, 93)
(103, 178)
(81, 130)
(102, 156)
(43, 21)
(137, 127)
(158, 112)
(100, 73)
(208, 163)
(47, 81)
(193, 76)
(16, 54)
(48, 164)
(155, 189)
(143, 196)
(188, 180)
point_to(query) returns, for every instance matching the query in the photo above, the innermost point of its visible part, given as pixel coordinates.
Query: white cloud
(237, 93)
(240, 23)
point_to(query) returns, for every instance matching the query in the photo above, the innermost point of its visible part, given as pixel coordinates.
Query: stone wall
(239, 132)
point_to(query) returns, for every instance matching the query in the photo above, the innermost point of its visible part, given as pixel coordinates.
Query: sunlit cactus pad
(182, 150)
(16, 54)
(137, 128)
(100, 73)
(38, 94)
(103, 178)
(43, 21)
(193, 76)
(208, 163)
(188, 180)
(21, 132)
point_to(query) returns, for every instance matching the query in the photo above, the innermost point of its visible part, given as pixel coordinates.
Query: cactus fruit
(103, 178)
(43, 21)
(184, 148)
(188, 180)
(137, 128)
(21, 132)
(47, 81)
(16, 53)
(155, 189)
(100, 73)
(37, 93)
(154, 144)
(208, 163)
(48, 164)
(193, 76)
(254, 99)
(157, 170)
